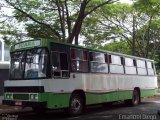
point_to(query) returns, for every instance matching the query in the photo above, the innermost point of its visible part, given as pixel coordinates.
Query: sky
(126, 1)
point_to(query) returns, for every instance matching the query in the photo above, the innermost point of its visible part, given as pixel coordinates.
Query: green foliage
(134, 28)
(150, 7)
(39, 31)
(117, 46)
(57, 19)
(98, 28)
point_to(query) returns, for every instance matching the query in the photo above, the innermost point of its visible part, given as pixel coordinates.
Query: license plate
(18, 103)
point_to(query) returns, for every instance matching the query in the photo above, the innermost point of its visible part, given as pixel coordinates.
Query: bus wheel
(76, 105)
(135, 99)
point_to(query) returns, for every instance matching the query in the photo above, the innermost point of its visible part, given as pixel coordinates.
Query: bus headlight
(33, 96)
(9, 96)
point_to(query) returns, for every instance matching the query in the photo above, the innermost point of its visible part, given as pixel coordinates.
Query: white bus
(48, 75)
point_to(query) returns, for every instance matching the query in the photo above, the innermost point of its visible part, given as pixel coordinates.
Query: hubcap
(75, 105)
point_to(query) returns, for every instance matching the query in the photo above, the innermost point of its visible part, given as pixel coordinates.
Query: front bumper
(25, 103)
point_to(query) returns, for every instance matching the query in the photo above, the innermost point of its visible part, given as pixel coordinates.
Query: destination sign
(28, 44)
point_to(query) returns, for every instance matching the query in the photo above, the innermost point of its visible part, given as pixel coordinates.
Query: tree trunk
(133, 37)
(77, 26)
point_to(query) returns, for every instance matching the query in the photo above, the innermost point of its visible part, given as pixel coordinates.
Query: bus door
(60, 67)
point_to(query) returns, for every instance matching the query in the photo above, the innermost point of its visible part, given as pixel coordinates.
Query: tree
(107, 23)
(131, 23)
(58, 19)
(117, 46)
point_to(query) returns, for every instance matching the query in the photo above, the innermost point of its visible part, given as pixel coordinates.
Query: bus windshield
(17, 65)
(29, 64)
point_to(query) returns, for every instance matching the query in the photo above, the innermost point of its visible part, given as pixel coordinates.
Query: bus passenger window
(60, 65)
(98, 62)
(130, 66)
(116, 64)
(141, 67)
(63, 61)
(55, 61)
(150, 68)
(79, 60)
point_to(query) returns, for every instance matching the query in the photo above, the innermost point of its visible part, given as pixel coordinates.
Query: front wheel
(76, 105)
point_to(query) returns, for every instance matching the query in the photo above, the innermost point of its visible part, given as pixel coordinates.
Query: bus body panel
(98, 88)
(91, 83)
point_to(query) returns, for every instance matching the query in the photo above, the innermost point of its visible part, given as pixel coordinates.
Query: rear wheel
(76, 105)
(135, 99)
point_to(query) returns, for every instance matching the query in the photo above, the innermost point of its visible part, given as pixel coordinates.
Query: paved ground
(147, 110)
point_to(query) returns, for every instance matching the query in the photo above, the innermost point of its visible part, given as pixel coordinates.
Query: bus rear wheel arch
(77, 103)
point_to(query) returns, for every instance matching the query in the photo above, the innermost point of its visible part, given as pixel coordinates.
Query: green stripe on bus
(146, 93)
(55, 100)
(92, 98)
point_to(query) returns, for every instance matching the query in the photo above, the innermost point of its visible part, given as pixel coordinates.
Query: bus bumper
(24, 103)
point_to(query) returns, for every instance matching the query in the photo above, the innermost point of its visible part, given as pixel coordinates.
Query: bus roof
(29, 44)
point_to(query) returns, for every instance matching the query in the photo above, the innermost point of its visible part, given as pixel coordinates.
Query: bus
(4, 66)
(49, 75)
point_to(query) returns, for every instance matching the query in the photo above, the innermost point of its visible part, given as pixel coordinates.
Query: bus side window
(98, 62)
(150, 68)
(141, 67)
(79, 60)
(60, 65)
(130, 66)
(55, 61)
(116, 65)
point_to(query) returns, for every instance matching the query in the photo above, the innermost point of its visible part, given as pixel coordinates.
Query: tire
(76, 105)
(135, 99)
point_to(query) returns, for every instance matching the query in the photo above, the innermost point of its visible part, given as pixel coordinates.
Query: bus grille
(25, 89)
(21, 96)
